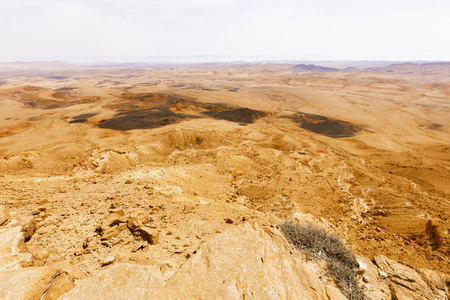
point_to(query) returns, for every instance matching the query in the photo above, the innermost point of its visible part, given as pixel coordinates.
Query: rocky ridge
(243, 262)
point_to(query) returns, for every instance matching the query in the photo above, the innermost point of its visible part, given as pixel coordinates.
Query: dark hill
(312, 68)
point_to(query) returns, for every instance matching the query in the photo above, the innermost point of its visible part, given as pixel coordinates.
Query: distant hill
(435, 68)
(312, 68)
(21, 65)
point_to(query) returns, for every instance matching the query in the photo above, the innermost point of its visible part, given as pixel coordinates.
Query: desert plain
(143, 164)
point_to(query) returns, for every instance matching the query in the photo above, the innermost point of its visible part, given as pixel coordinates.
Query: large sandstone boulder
(240, 263)
(243, 263)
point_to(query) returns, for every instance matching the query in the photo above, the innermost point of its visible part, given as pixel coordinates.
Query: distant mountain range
(422, 68)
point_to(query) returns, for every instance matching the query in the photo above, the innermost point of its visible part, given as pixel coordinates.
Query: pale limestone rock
(405, 282)
(39, 255)
(376, 286)
(435, 281)
(108, 260)
(244, 263)
(26, 283)
(362, 267)
(11, 244)
(120, 281)
(60, 285)
(333, 293)
(4, 215)
(28, 224)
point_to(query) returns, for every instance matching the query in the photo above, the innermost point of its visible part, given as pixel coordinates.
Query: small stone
(90, 246)
(229, 221)
(383, 275)
(188, 209)
(138, 247)
(108, 260)
(118, 211)
(128, 181)
(39, 209)
(365, 279)
(112, 220)
(44, 201)
(362, 267)
(150, 235)
(141, 258)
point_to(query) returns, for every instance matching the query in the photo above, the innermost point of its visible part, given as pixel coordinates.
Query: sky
(209, 30)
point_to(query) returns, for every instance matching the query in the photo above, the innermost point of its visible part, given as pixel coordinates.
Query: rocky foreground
(245, 261)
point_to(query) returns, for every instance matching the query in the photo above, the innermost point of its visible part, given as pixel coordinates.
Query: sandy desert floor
(189, 150)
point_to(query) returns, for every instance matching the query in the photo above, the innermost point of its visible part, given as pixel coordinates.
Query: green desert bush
(318, 243)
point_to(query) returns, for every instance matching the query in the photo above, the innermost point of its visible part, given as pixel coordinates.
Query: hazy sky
(139, 30)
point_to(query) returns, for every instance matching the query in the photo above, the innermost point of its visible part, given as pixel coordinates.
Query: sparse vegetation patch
(318, 243)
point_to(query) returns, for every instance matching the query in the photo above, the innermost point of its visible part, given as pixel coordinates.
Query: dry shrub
(318, 243)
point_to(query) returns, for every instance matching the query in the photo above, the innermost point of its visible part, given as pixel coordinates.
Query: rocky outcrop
(16, 282)
(242, 262)
(11, 243)
(406, 283)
